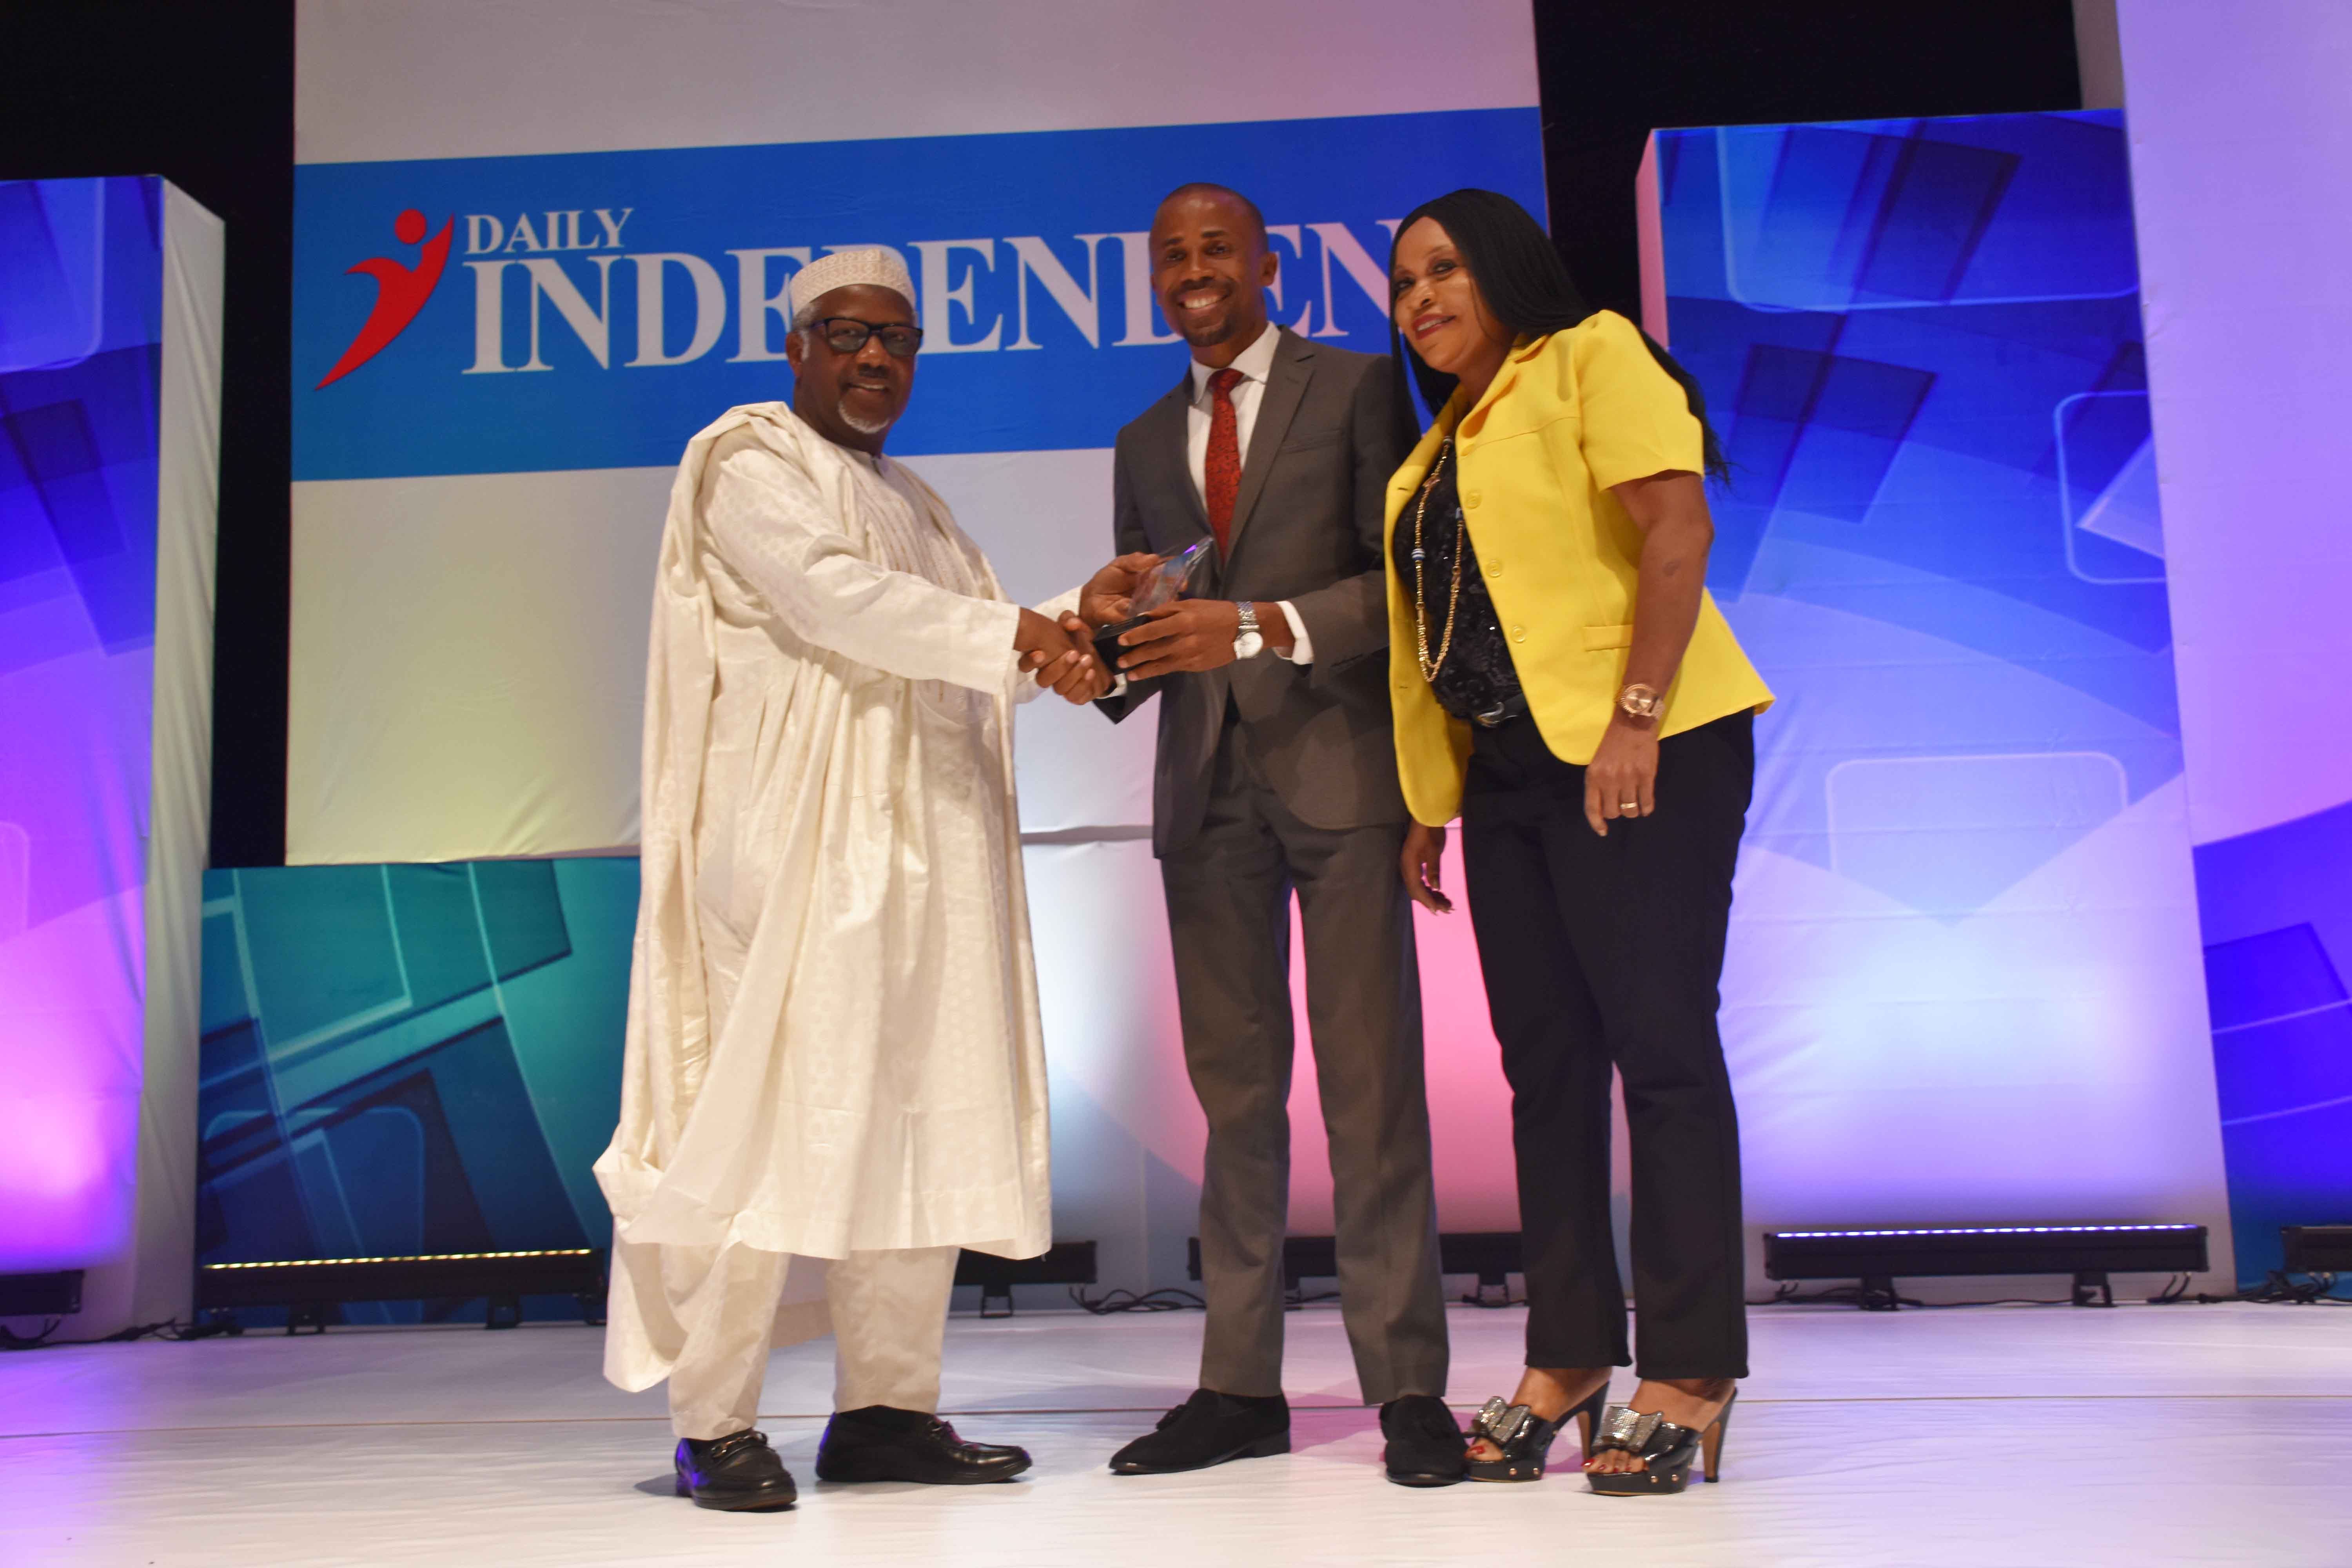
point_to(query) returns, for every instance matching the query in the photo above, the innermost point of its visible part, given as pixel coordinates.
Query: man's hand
(1424, 847)
(1044, 646)
(1190, 634)
(1083, 678)
(1106, 596)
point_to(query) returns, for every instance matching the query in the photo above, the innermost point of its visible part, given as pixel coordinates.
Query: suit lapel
(1164, 441)
(1285, 385)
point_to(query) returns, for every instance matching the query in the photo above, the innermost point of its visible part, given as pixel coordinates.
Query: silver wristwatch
(1247, 642)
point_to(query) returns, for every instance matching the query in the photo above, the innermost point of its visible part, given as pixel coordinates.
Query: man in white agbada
(835, 1076)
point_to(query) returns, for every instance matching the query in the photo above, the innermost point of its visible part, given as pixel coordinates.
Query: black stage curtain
(1612, 72)
(203, 95)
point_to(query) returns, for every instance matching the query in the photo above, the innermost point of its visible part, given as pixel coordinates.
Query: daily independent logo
(530, 285)
(400, 291)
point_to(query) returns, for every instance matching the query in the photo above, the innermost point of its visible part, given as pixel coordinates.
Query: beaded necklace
(1454, 597)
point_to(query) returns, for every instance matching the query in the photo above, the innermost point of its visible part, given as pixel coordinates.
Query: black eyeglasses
(847, 335)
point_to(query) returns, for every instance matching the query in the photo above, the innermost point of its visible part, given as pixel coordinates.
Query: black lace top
(1477, 674)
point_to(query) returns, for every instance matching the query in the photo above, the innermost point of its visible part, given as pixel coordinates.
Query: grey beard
(864, 427)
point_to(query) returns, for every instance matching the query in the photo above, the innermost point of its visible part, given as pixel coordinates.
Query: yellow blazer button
(1493, 568)
(1470, 497)
(1518, 634)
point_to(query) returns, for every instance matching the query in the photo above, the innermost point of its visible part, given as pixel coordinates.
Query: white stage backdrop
(607, 202)
(572, 226)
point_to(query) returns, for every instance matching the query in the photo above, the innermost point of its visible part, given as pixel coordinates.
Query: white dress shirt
(1255, 362)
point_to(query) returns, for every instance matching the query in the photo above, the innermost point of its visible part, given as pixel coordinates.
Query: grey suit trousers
(1229, 915)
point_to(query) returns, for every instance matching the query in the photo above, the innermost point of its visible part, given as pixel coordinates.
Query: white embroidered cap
(874, 264)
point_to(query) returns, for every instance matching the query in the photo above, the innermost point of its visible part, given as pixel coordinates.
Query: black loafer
(882, 1443)
(1208, 1429)
(1425, 1447)
(737, 1472)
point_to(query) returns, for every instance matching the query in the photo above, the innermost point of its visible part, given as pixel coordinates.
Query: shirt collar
(1255, 362)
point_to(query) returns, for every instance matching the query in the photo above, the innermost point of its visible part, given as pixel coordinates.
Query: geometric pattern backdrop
(402, 1059)
(82, 330)
(1963, 982)
(2277, 909)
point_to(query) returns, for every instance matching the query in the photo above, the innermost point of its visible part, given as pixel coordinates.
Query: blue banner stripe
(593, 309)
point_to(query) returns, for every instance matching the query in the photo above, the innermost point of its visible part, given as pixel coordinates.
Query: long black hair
(1527, 287)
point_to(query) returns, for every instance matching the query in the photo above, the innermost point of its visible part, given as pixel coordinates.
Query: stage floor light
(2318, 1248)
(1065, 1263)
(1877, 1258)
(309, 1287)
(56, 1295)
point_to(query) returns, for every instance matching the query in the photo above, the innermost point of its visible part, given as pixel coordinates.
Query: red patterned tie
(1221, 474)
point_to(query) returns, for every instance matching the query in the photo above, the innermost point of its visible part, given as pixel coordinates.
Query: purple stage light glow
(81, 354)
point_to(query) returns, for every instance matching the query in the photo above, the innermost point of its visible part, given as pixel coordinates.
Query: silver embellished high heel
(1666, 1451)
(1525, 1438)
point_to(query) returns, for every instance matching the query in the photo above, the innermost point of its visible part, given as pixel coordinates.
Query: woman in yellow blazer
(1563, 683)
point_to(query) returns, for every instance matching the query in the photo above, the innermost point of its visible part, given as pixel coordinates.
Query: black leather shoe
(1208, 1429)
(737, 1472)
(882, 1443)
(1424, 1445)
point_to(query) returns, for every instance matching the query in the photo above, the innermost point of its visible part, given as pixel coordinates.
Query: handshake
(1075, 659)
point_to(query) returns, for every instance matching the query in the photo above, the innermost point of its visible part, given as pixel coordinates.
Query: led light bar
(1064, 1263)
(2318, 1248)
(309, 1287)
(57, 1295)
(1878, 1256)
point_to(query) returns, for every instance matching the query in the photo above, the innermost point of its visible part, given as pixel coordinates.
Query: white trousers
(889, 1313)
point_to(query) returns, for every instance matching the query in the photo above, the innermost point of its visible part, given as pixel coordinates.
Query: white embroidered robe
(833, 1034)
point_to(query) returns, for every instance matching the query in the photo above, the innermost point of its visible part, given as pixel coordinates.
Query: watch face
(1248, 644)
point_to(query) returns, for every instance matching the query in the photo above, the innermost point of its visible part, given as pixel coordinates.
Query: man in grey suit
(1276, 772)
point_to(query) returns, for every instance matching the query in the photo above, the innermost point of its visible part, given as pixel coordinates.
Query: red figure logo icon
(400, 291)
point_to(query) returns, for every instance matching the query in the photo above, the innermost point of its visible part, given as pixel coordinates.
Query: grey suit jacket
(1307, 527)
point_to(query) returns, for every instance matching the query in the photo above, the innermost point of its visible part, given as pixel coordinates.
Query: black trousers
(1601, 953)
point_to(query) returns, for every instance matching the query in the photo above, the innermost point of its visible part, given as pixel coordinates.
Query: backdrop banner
(2241, 150)
(406, 1059)
(110, 428)
(510, 317)
(538, 246)
(1963, 986)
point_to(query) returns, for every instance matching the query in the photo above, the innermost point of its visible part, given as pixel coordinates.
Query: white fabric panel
(523, 599)
(152, 1282)
(2242, 154)
(2053, 1062)
(1044, 519)
(1128, 1132)
(179, 801)
(458, 79)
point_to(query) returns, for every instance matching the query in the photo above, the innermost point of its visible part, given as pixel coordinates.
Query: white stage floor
(1994, 1438)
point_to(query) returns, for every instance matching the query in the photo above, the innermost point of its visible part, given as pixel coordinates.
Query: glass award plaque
(1164, 584)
